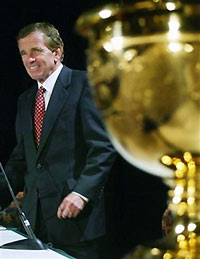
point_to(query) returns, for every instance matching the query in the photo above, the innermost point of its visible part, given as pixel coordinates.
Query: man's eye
(22, 54)
(37, 50)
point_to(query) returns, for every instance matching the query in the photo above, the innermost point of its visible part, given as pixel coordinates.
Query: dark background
(135, 200)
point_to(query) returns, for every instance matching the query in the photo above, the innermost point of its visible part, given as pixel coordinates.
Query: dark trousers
(85, 250)
(92, 249)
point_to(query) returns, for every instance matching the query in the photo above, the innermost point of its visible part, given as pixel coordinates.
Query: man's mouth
(33, 67)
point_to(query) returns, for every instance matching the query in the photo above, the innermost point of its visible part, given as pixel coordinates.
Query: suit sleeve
(101, 154)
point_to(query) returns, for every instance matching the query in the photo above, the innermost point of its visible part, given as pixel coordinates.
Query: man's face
(39, 61)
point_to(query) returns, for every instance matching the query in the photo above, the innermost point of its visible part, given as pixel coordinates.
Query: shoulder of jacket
(27, 92)
(81, 73)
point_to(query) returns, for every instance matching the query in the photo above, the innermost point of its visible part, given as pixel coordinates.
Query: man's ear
(57, 54)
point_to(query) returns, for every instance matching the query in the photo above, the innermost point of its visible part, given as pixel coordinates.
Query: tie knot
(41, 90)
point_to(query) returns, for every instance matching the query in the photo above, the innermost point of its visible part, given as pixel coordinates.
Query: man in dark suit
(63, 170)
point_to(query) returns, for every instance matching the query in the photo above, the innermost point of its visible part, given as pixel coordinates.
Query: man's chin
(35, 77)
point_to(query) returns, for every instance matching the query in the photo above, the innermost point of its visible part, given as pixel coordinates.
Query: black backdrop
(135, 200)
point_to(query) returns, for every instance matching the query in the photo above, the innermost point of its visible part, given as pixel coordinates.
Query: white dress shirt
(49, 84)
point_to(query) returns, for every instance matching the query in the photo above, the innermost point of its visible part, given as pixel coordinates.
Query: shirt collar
(51, 80)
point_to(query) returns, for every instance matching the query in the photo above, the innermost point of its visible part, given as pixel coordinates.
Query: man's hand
(71, 206)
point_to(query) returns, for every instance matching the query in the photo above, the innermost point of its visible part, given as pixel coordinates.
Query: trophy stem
(183, 239)
(185, 206)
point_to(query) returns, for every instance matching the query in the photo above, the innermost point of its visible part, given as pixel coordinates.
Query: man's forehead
(32, 40)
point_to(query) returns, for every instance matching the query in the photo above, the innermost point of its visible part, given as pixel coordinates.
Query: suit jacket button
(39, 166)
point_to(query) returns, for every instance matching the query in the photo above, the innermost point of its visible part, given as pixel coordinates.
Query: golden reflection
(144, 68)
(105, 13)
(191, 227)
(170, 6)
(174, 26)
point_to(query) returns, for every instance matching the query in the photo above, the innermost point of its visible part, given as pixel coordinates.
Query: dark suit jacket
(74, 154)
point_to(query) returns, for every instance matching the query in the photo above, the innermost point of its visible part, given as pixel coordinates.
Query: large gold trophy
(144, 68)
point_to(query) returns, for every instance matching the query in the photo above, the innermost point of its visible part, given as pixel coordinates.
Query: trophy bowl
(143, 62)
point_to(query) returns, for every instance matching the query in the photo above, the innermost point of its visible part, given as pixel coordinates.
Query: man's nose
(30, 58)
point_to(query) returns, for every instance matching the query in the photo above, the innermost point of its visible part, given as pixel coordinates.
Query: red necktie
(39, 114)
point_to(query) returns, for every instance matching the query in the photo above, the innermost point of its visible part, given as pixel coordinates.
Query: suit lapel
(58, 99)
